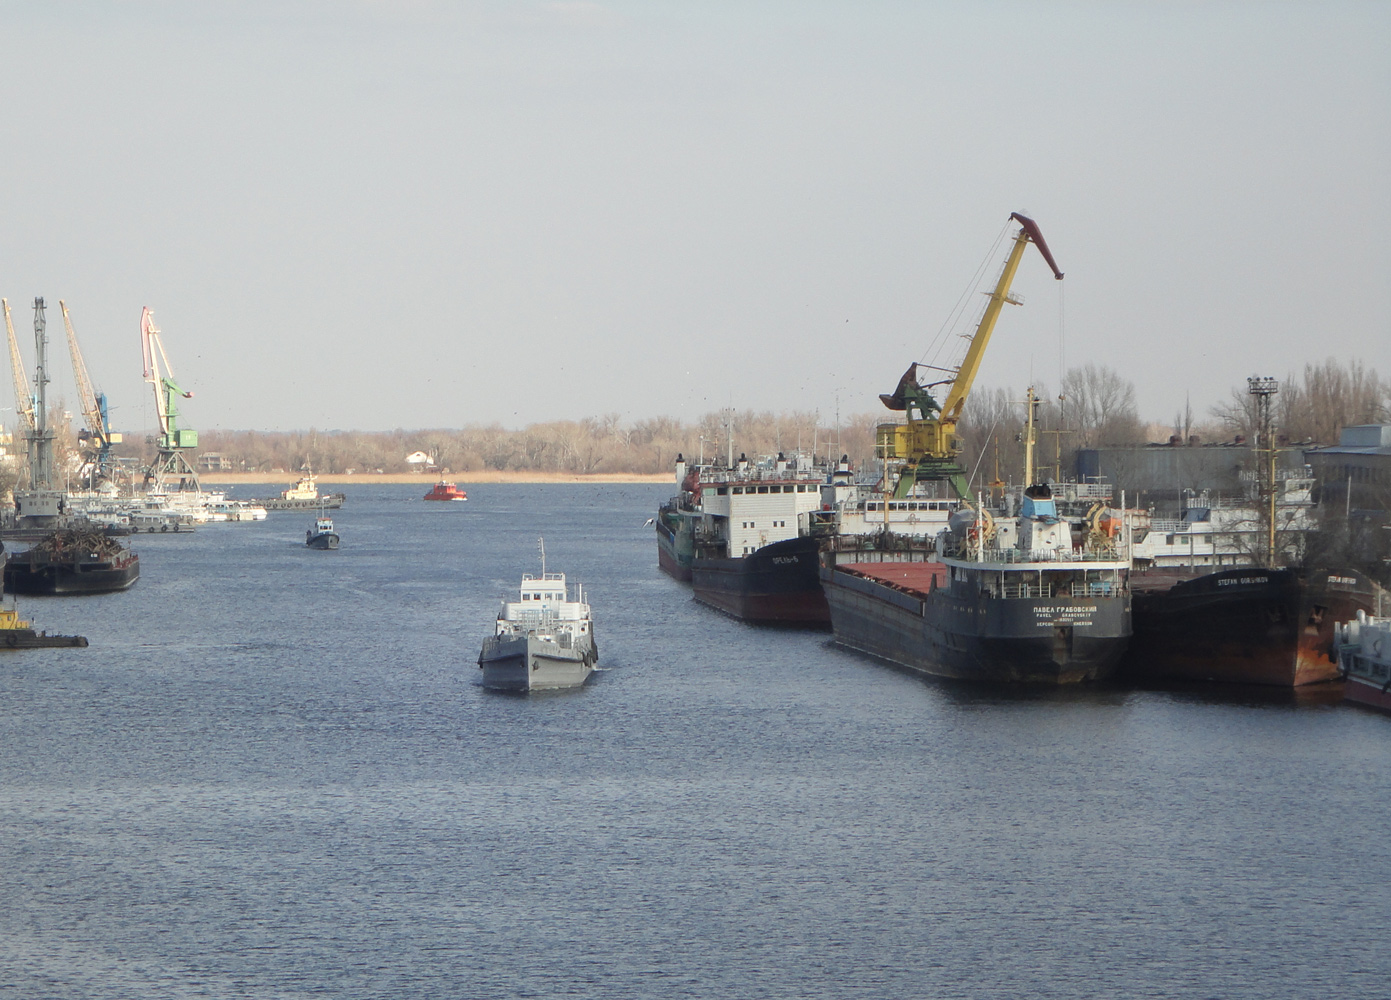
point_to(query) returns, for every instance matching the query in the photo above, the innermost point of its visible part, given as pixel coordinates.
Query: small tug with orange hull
(446, 491)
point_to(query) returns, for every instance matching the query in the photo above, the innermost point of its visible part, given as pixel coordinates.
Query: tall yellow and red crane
(926, 446)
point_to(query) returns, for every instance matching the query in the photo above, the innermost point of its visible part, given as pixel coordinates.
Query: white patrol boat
(543, 640)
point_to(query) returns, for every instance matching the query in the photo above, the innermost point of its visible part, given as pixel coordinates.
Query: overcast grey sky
(420, 214)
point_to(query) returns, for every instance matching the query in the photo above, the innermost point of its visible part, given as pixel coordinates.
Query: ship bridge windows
(722, 490)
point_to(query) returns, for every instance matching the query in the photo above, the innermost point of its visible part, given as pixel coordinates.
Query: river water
(274, 774)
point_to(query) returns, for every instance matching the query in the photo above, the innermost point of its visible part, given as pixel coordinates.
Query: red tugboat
(446, 491)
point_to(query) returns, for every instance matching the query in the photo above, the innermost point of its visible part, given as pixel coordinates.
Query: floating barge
(72, 562)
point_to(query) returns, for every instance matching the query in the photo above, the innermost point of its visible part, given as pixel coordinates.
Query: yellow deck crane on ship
(96, 438)
(926, 447)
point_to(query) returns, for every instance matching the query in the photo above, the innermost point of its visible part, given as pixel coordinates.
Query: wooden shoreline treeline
(1093, 406)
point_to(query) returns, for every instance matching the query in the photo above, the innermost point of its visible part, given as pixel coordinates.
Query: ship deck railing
(734, 476)
(1014, 556)
(1011, 591)
(535, 618)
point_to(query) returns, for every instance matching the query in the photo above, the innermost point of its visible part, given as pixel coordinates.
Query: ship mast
(41, 437)
(1263, 388)
(1031, 402)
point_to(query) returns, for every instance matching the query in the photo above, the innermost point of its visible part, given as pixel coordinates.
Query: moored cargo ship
(781, 517)
(1247, 625)
(751, 557)
(738, 534)
(1009, 601)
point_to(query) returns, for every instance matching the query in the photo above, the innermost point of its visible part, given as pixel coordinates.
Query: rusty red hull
(1243, 626)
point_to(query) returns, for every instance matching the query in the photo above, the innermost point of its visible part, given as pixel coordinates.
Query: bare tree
(1099, 407)
(1329, 397)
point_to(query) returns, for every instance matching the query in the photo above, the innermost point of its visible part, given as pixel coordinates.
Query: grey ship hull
(524, 663)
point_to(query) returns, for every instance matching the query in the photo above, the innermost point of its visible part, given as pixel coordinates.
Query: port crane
(174, 442)
(97, 437)
(23, 398)
(926, 446)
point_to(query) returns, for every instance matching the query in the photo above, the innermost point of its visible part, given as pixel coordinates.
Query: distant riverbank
(422, 479)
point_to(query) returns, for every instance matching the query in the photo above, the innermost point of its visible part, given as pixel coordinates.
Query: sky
(421, 214)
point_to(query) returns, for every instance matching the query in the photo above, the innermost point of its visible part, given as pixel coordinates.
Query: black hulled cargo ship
(1012, 600)
(782, 518)
(68, 561)
(752, 556)
(1248, 625)
(776, 583)
(738, 534)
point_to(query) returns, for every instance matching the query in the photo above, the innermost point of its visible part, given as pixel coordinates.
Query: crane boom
(166, 390)
(174, 442)
(927, 444)
(23, 399)
(91, 412)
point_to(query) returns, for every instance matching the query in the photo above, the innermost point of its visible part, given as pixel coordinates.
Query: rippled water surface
(273, 774)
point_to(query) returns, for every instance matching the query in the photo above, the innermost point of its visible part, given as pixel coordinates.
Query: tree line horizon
(1093, 407)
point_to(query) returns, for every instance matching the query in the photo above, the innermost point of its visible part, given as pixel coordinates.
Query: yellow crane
(23, 399)
(926, 446)
(97, 437)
